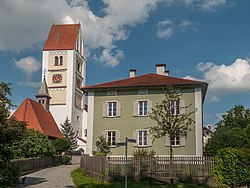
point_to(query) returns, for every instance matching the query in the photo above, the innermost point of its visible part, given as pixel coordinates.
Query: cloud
(211, 5)
(225, 79)
(110, 58)
(165, 29)
(185, 24)
(28, 65)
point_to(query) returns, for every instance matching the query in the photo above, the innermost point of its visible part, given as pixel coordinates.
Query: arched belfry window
(61, 60)
(56, 61)
(43, 101)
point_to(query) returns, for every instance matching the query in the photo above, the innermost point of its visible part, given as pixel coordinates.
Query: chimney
(160, 69)
(132, 73)
(167, 72)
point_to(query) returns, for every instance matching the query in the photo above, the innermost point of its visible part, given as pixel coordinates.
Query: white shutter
(118, 113)
(104, 109)
(182, 106)
(135, 109)
(104, 134)
(150, 139)
(167, 141)
(135, 137)
(118, 136)
(183, 141)
(149, 107)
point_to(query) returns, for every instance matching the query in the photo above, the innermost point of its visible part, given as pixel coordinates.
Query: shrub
(9, 175)
(61, 145)
(66, 159)
(231, 168)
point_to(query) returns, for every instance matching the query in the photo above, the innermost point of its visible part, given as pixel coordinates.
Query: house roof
(62, 37)
(37, 118)
(146, 80)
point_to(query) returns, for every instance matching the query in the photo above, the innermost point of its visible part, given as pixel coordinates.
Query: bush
(231, 168)
(61, 145)
(66, 159)
(9, 175)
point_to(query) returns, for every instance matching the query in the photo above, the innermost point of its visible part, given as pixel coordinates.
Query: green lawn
(81, 180)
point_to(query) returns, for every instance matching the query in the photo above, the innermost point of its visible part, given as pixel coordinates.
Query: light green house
(120, 109)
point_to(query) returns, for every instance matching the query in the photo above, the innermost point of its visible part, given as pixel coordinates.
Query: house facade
(120, 109)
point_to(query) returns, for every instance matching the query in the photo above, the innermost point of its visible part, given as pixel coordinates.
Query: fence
(32, 164)
(148, 166)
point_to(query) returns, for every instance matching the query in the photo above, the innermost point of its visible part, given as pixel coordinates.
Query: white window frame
(143, 110)
(112, 137)
(113, 113)
(175, 107)
(176, 140)
(142, 137)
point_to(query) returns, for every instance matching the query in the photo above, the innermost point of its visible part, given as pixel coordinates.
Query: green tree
(170, 123)
(102, 147)
(61, 145)
(69, 133)
(11, 131)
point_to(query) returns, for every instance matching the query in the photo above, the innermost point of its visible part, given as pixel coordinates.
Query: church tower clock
(64, 67)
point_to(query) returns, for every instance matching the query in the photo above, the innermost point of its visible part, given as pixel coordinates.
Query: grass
(81, 180)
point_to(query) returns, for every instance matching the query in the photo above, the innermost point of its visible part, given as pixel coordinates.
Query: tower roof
(43, 91)
(37, 118)
(62, 37)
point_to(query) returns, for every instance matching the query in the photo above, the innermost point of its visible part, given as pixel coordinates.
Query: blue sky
(197, 39)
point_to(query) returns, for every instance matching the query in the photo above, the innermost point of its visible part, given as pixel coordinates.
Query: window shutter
(104, 134)
(118, 136)
(150, 139)
(118, 113)
(182, 106)
(149, 107)
(183, 141)
(104, 109)
(135, 110)
(135, 137)
(167, 141)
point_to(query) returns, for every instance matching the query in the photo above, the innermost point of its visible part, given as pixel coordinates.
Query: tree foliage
(69, 133)
(61, 145)
(102, 147)
(168, 123)
(231, 168)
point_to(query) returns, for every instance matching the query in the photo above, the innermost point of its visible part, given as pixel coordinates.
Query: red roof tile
(147, 80)
(37, 118)
(62, 37)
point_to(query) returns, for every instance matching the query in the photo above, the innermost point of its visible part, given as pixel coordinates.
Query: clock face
(57, 78)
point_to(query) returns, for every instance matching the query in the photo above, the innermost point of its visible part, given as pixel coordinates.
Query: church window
(43, 101)
(56, 61)
(39, 101)
(61, 60)
(79, 67)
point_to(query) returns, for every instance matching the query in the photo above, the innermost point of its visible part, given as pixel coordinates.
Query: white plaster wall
(90, 123)
(198, 121)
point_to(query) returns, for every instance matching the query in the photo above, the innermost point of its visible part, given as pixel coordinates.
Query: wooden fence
(32, 164)
(148, 166)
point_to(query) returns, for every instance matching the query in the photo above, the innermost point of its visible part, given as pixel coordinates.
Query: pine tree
(69, 133)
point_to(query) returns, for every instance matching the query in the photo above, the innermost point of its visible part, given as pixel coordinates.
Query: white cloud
(213, 99)
(210, 5)
(28, 65)
(111, 59)
(224, 79)
(165, 29)
(185, 24)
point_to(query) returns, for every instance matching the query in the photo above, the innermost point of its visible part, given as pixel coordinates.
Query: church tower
(64, 66)
(43, 96)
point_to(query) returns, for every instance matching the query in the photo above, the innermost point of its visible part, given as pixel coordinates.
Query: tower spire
(43, 96)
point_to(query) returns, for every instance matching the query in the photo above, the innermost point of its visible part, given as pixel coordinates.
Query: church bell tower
(64, 66)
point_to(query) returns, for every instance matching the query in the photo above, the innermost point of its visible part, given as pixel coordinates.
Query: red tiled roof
(147, 80)
(62, 37)
(37, 118)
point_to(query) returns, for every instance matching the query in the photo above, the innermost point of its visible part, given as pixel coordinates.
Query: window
(77, 118)
(111, 138)
(142, 139)
(61, 60)
(175, 107)
(176, 141)
(56, 61)
(112, 109)
(79, 67)
(142, 108)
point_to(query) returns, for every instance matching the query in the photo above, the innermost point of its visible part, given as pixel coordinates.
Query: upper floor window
(175, 107)
(111, 109)
(111, 138)
(56, 61)
(61, 60)
(142, 138)
(142, 108)
(79, 67)
(175, 141)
